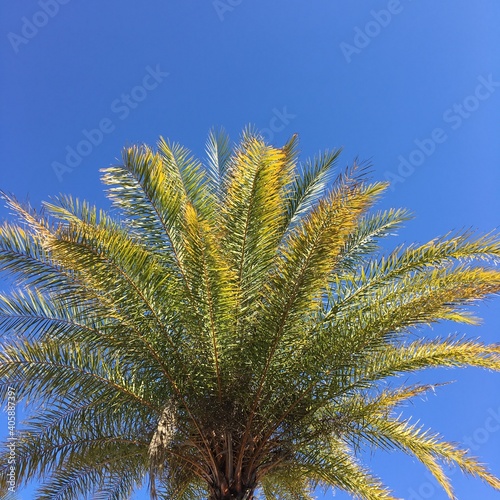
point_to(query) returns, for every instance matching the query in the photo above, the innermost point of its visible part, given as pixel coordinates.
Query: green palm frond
(337, 467)
(252, 214)
(218, 151)
(363, 240)
(310, 183)
(429, 449)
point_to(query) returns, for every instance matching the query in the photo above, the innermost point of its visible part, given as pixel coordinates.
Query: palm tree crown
(230, 332)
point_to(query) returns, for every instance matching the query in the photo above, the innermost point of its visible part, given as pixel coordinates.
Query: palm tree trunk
(229, 482)
(244, 495)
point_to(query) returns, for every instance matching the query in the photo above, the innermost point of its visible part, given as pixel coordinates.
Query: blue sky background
(412, 86)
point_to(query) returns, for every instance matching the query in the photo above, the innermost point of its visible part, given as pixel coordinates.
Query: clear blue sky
(414, 86)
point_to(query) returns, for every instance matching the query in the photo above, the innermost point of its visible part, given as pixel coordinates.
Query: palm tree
(229, 331)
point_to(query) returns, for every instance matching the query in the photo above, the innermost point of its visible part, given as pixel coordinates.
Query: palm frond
(310, 183)
(218, 153)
